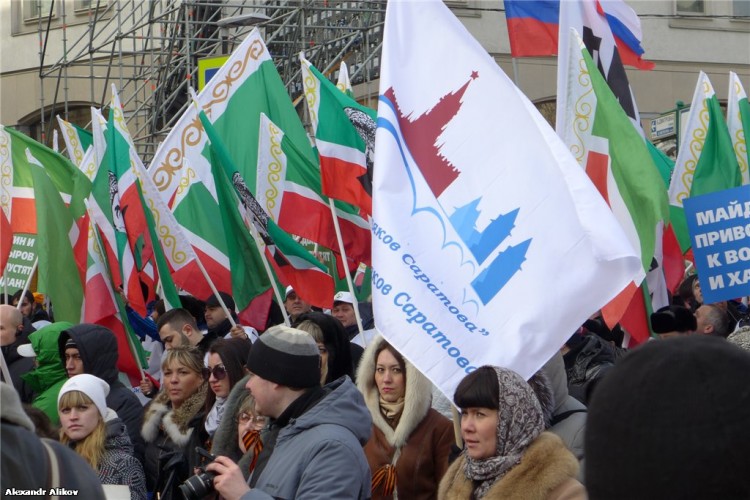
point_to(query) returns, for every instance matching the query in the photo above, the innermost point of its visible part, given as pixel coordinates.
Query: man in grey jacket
(312, 448)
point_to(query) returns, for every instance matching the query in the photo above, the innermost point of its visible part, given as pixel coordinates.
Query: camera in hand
(201, 484)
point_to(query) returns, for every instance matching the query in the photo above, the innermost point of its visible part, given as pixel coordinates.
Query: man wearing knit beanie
(671, 421)
(313, 444)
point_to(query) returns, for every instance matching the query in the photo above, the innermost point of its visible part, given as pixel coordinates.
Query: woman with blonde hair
(410, 442)
(173, 422)
(95, 433)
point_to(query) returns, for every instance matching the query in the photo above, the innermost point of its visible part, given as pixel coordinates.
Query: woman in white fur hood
(410, 442)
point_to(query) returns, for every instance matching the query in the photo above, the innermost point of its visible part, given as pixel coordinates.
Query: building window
(33, 9)
(690, 7)
(741, 8)
(86, 5)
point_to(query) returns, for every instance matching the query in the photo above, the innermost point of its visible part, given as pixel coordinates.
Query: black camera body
(201, 484)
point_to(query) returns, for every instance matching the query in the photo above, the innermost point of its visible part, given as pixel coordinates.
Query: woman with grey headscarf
(507, 454)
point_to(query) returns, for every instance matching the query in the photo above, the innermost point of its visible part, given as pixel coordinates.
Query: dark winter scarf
(519, 423)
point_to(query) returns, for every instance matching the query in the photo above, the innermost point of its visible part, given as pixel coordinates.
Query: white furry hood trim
(417, 397)
(177, 436)
(176, 423)
(152, 420)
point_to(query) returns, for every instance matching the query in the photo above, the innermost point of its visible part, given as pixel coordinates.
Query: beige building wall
(680, 46)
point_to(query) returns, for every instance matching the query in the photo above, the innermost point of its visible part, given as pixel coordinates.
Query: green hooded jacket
(49, 375)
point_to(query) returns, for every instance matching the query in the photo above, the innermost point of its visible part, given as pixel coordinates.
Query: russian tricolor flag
(533, 28)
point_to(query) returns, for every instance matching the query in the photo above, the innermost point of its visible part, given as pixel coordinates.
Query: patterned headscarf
(519, 423)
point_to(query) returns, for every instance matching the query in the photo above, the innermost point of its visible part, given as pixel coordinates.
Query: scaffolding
(150, 51)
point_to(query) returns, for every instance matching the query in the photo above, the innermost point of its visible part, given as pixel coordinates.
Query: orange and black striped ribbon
(385, 476)
(253, 443)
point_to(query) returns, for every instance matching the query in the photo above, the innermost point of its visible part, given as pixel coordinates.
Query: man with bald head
(12, 334)
(11, 324)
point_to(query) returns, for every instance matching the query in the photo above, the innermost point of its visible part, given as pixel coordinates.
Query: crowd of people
(319, 410)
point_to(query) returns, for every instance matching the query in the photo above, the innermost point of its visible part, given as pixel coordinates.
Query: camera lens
(198, 486)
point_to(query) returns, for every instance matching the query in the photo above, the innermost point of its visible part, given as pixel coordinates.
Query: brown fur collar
(175, 423)
(546, 465)
(417, 397)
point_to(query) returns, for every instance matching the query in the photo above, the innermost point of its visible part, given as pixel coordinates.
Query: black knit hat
(670, 420)
(673, 319)
(212, 301)
(287, 356)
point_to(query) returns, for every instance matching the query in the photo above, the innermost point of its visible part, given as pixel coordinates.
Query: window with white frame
(741, 8)
(690, 7)
(86, 5)
(33, 9)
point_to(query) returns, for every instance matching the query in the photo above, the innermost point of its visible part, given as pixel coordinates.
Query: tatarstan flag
(345, 137)
(19, 202)
(6, 239)
(100, 305)
(706, 161)
(250, 284)
(738, 122)
(123, 226)
(16, 185)
(615, 156)
(286, 192)
(77, 140)
(293, 264)
(56, 233)
(343, 83)
(246, 86)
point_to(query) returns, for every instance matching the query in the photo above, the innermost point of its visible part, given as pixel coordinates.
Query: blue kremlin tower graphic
(421, 136)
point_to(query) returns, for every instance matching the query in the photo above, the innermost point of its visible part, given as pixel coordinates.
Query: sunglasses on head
(219, 372)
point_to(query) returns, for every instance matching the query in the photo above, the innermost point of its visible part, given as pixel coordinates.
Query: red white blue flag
(533, 26)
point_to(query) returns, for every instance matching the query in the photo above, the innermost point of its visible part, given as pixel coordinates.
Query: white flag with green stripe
(706, 161)
(738, 122)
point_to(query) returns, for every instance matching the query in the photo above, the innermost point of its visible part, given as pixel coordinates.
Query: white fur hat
(93, 387)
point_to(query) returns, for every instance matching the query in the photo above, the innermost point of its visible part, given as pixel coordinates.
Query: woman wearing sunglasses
(226, 359)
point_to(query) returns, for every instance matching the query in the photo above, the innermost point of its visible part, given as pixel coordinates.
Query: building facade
(59, 58)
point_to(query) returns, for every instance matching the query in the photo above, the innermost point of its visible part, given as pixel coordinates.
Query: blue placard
(719, 226)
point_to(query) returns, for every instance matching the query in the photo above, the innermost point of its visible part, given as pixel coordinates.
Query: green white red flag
(16, 185)
(706, 161)
(56, 233)
(124, 230)
(143, 211)
(293, 264)
(245, 86)
(343, 83)
(614, 155)
(738, 122)
(77, 140)
(345, 138)
(285, 192)
(18, 153)
(100, 304)
(251, 288)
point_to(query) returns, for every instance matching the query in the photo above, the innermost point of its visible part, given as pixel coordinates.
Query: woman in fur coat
(410, 442)
(507, 454)
(173, 422)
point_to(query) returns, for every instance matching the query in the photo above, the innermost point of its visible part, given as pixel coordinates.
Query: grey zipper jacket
(319, 455)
